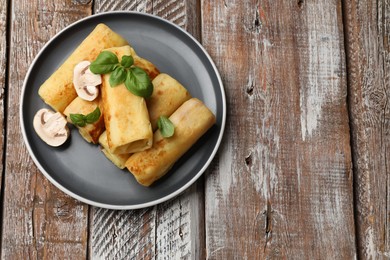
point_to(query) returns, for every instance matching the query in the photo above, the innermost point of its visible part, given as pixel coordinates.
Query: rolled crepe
(90, 132)
(125, 115)
(191, 120)
(58, 91)
(118, 159)
(146, 65)
(168, 95)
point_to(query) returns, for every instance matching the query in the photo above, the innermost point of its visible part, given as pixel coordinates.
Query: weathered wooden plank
(174, 229)
(282, 187)
(180, 226)
(39, 221)
(122, 234)
(368, 55)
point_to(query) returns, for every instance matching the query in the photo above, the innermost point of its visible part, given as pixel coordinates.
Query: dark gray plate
(80, 169)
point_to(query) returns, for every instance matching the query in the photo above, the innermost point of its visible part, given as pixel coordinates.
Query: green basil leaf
(78, 119)
(118, 76)
(138, 82)
(81, 120)
(106, 57)
(102, 69)
(127, 61)
(166, 127)
(105, 62)
(93, 116)
(130, 81)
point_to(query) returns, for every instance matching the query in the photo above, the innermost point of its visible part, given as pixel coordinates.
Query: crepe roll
(58, 91)
(118, 159)
(191, 121)
(144, 64)
(125, 115)
(90, 132)
(168, 95)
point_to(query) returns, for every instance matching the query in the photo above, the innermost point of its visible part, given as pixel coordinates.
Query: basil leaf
(127, 61)
(138, 82)
(117, 77)
(93, 116)
(106, 57)
(78, 119)
(101, 68)
(81, 120)
(166, 127)
(105, 62)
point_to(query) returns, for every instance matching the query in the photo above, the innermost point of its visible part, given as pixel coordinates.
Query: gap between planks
(351, 127)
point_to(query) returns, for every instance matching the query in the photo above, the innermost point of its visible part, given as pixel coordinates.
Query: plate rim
(138, 205)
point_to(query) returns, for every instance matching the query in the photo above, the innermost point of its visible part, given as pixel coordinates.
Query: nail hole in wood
(249, 89)
(257, 23)
(248, 160)
(300, 3)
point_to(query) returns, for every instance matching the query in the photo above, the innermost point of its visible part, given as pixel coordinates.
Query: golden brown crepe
(168, 95)
(58, 91)
(146, 65)
(118, 159)
(90, 132)
(125, 115)
(191, 120)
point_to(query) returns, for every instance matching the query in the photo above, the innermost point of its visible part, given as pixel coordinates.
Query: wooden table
(303, 171)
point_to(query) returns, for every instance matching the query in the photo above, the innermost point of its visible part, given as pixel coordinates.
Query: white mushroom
(85, 82)
(51, 127)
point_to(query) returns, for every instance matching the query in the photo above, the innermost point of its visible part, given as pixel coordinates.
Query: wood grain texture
(39, 221)
(282, 187)
(122, 234)
(368, 52)
(171, 230)
(180, 226)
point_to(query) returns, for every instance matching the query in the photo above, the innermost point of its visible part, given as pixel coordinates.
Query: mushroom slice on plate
(51, 127)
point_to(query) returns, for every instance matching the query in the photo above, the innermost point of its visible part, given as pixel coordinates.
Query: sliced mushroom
(51, 127)
(85, 82)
